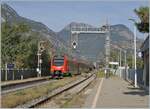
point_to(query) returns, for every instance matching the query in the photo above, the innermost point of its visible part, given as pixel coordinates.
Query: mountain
(64, 34)
(93, 45)
(11, 16)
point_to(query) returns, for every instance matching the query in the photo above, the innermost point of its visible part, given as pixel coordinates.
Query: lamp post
(135, 73)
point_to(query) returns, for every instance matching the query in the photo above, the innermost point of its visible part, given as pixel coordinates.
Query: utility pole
(135, 56)
(135, 73)
(125, 57)
(126, 67)
(107, 46)
(120, 57)
(39, 58)
(6, 71)
(39, 69)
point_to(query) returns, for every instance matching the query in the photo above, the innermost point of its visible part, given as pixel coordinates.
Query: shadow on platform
(137, 91)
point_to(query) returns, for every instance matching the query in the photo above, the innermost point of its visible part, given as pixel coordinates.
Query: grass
(13, 99)
(76, 101)
(100, 74)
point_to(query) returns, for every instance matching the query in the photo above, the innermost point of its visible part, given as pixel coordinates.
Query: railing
(18, 74)
(130, 75)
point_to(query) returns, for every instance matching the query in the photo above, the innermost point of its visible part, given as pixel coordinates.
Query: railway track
(23, 85)
(79, 85)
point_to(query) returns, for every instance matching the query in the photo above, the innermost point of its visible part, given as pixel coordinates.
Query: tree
(19, 45)
(10, 40)
(143, 14)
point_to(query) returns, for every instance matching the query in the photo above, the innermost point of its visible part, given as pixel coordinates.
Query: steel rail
(55, 92)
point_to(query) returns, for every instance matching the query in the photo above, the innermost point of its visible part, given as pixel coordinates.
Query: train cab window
(58, 62)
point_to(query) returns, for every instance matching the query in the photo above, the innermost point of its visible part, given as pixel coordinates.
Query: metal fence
(129, 75)
(17, 74)
(139, 75)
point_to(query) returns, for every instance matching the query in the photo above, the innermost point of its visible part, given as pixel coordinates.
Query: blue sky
(57, 14)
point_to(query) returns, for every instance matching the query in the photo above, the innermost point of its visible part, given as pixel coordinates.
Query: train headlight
(52, 70)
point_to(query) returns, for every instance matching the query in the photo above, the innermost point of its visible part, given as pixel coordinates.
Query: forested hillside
(20, 38)
(19, 46)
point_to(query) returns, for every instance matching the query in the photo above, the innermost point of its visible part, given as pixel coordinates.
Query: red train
(61, 65)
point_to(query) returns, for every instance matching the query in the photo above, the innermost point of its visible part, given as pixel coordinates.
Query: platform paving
(115, 92)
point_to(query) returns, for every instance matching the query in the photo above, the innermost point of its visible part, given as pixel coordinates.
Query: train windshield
(58, 62)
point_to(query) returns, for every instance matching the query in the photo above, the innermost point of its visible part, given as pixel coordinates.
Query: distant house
(145, 55)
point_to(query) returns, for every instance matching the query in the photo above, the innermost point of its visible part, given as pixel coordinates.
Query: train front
(58, 66)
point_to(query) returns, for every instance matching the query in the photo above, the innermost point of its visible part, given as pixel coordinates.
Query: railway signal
(41, 48)
(74, 44)
(75, 31)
